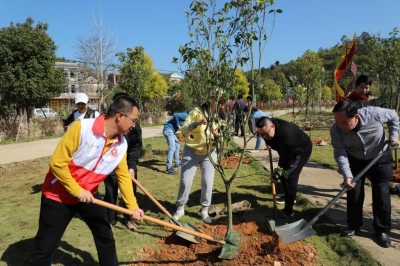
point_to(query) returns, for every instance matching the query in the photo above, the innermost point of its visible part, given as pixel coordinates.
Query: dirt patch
(258, 247)
(396, 173)
(233, 161)
(318, 140)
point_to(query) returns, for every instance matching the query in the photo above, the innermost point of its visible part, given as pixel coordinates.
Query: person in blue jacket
(254, 116)
(170, 128)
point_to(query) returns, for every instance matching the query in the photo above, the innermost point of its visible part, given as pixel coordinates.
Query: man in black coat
(135, 144)
(238, 107)
(294, 148)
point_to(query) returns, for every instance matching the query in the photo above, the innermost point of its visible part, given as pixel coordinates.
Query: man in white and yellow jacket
(88, 152)
(195, 153)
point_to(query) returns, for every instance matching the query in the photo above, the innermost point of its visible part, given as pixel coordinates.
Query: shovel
(188, 237)
(301, 229)
(275, 221)
(231, 244)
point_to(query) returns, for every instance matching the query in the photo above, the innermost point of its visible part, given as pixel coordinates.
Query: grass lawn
(20, 185)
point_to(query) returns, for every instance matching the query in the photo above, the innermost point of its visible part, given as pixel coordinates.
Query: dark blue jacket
(176, 121)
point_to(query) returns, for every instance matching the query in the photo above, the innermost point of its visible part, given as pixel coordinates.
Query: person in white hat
(82, 110)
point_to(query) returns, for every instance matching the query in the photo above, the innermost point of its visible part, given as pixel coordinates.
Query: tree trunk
(31, 132)
(229, 204)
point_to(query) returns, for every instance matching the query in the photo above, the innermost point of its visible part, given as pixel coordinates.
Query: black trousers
(381, 173)
(111, 196)
(290, 184)
(239, 124)
(54, 219)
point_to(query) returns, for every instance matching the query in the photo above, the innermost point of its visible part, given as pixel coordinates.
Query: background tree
(181, 100)
(241, 83)
(27, 67)
(156, 87)
(326, 93)
(281, 80)
(270, 91)
(98, 50)
(385, 53)
(138, 76)
(309, 68)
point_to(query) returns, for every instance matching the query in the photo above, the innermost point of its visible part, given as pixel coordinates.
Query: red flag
(353, 68)
(341, 67)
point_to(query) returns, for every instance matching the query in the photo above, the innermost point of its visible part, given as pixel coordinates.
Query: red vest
(89, 166)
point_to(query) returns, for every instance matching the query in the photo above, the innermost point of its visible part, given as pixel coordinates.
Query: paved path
(41, 148)
(319, 185)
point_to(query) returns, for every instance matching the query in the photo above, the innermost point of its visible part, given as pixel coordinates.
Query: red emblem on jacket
(114, 152)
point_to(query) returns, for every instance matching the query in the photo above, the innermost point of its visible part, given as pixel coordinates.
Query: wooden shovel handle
(271, 166)
(159, 222)
(152, 198)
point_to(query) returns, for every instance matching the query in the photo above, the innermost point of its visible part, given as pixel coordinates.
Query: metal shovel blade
(293, 232)
(275, 222)
(232, 247)
(301, 229)
(191, 238)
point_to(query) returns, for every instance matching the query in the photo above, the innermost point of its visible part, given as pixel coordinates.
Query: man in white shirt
(82, 110)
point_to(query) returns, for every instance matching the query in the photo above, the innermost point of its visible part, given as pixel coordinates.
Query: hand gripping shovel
(188, 237)
(275, 221)
(230, 249)
(301, 229)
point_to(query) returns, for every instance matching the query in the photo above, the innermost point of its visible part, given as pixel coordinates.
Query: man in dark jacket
(238, 107)
(135, 144)
(294, 148)
(359, 95)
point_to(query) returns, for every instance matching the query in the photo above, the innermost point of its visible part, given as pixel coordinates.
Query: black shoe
(350, 231)
(281, 200)
(383, 239)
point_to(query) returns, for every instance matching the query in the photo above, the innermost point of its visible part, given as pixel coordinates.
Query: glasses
(265, 134)
(134, 120)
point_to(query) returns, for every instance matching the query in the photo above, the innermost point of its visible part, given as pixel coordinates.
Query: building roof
(176, 76)
(66, 64)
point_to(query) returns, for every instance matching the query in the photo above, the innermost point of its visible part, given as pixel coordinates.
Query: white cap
(81, 98)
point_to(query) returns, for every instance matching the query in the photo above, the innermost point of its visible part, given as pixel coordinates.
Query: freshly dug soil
(396, 173)
(233, 161)
(317, 140)
(258, 247)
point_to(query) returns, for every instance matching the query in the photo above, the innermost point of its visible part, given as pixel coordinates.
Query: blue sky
(160, 26)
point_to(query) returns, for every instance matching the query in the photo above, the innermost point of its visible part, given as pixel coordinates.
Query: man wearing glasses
(84, 157)
(294, 148)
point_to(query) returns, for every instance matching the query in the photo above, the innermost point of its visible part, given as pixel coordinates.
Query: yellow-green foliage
(241, 84)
